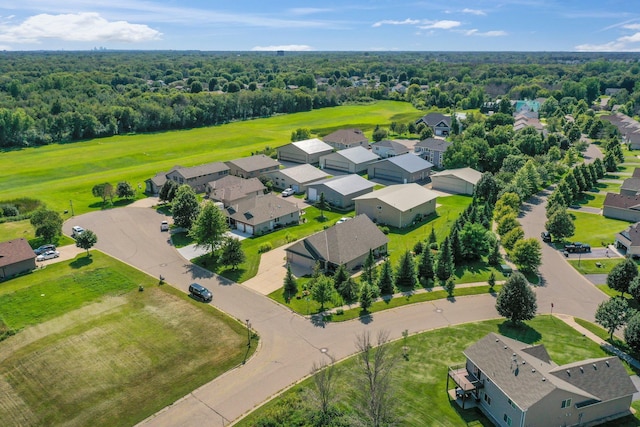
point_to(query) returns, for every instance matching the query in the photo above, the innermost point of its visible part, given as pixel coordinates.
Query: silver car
(48, 255)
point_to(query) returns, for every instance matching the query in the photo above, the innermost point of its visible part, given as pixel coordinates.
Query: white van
(77, 230)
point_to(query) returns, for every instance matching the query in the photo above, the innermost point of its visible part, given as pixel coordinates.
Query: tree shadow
(198, 272)
(318, 320)
(451, 298)
(81, 262)
(519, 331)
(365, 317)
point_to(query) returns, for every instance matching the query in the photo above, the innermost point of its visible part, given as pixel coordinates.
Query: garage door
(312, 194)
(292, 157)
(337, 165)
(248, 229)
(387, 174)
(449, 184)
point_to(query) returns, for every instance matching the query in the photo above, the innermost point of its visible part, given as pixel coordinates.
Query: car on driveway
(343, 219)
(577, 247)
(48, 255)
(44, 248)
(288, 192)
(200, 292)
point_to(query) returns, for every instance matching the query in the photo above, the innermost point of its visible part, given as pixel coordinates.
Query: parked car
(288, 192)
(577, 247)
(546, 236)
(343, 219)
(44, 248)
(76, 231)
(164, 226)
(200, 292)
(48, 255)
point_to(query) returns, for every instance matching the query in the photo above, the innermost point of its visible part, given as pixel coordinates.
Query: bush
(9, 210)
(433, 246)
(339, 312)
(265, 247)
(384, 229)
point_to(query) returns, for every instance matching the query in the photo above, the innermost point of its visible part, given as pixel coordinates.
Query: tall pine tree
(444, 264)
(406, 273)
(385, 281)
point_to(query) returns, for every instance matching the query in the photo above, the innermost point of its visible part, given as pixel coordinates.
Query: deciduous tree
(632, 332)
(613, 314)
(527, 255)
(104, 191)
(560, 224)
(232, 253)
(209, 227)
(620, 277)
(124, 190)
(168, 191)
(47, 223)
(516, 300)
(322, 290)
(185, 209)
(86, 240)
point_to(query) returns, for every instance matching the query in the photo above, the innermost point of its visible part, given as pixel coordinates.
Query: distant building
(397, 205)
(352, 160)
(432, 149)
(347, 138)
(306, 151)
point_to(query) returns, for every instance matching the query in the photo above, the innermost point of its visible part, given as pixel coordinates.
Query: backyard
(86, 319)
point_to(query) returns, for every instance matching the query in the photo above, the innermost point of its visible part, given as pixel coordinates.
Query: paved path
(289, 343)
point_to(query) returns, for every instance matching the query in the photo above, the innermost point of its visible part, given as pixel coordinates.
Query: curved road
(289, 343)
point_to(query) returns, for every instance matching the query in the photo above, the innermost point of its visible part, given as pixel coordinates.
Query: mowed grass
(103, 353)
(595, 229)
(17, 229)
(60, 173)
(421, 380)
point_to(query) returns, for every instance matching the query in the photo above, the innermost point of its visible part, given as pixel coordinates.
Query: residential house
(154, 185)
(345, 244)
(402, 169)
(523, 121)
(630, 187)
(517, 384)
(387, 148)
(347, 138)
(232, 188)
(628, 128)
(253, 166)
(197, 177)
(438, 122)
(628, 240)
(351, 160)
(397, 205)
(297, 177)
(16, 257)
(526, 107)
(459, 181)
(339, 191)
(636, 173)
(306, 151)
(618, 206)
(432, 150)
(257, 215)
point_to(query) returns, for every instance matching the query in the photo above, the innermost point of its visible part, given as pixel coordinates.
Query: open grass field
(17, 229)
(93, 350)
(595, 229)
(60, 173)
(421, 380)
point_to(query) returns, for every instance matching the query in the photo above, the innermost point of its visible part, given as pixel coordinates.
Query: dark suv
(44, 248)
(200, 292)
(546, 236)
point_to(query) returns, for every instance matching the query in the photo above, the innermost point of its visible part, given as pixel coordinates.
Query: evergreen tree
(385, 281)
(610, 164)
(492, 280)
(405, 277)
(565, 190)
(444, 263)
(432, 236)
(473, 241)
(570, 179)
(369, 268)
(418, 247)
(457, 248)
(290, 284)
(366, 296)
(599, 168)
(348, 290)
(450, 286)
(341, 274)
(425, 267)
(577, 175)
(494, 254)
(516, 301)
(323, 205)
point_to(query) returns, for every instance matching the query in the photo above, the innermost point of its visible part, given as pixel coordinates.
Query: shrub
(384, 229)
(339, 312)
(265, 247)
(9, 210)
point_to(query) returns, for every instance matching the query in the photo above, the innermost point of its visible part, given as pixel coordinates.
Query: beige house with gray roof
(258, 215)
(232, 188)
(347, 138)
(198, 176)
(297, 177)
(345, 244)
(252, 166)
(397, 205)
(458, 181)
(517, 384)
(307, 151)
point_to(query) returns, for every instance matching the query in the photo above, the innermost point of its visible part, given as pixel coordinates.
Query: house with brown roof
(307, 151)
(232, 188)
(397, 205)
(628, 240)
(252, 166)
(517, 384)
(618, 206)
(258, 215)
(346, 138)
(347, 244)
(438, 122)
(628, 128)
(197, 177)
(16, 257)
(154, 185)
(432, 150)
(630, 187)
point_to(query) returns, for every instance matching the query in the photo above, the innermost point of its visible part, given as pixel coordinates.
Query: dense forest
(48, 97)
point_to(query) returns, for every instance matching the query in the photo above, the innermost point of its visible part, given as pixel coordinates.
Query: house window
(487, 399)
(513, 405)
(566, 403)
(507, 419)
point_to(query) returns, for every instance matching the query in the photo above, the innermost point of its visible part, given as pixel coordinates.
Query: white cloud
(392, 22)
(307, 10)
(494, 33)
(473, 11)
(289, 47)
(79, 27)
(622, 44)
(633, 27)
(441, 25)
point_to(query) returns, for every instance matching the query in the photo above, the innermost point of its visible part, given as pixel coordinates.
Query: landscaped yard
(17, 229)
(104, 353)
(421, 380)
(71, 170)
(595, 229)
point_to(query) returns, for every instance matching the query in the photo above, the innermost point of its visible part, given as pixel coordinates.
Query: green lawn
(61, 174)
(588, 266)
(595, 229)
(17, 229)
(102, 351)
(421, 379)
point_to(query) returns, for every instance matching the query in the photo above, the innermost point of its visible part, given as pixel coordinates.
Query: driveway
(67, 253)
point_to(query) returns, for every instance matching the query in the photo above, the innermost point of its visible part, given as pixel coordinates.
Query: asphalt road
(289, 343)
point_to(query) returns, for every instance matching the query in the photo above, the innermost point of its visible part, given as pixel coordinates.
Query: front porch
(467, 386)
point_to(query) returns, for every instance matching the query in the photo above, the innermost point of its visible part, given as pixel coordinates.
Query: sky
(328, 25)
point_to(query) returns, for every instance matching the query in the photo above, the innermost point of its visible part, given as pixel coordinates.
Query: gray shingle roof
(620, 201)
(631, 184)
(202, 170)
(434, 144)
(345, 184)
(636, 173)
(232, 187)
(632, 234)
(526, 374)
(343, 242)
(396, 146)
(402, 196)
(255, 163)
(259, 209)
(409, 162)
(433, 119)
(347, 137)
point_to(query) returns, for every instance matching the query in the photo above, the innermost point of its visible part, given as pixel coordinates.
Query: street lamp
(248, 333)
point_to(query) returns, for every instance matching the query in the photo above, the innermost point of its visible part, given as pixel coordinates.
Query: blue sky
(348, 25)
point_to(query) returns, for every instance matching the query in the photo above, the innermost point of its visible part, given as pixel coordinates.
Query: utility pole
(71, 204)
(248, 333)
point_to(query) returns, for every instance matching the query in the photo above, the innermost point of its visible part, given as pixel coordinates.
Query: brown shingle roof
(202, 170)
(255, 163)
(256, 210)
(14, 251)
(347, 137)
(620, 201)
(233, 187)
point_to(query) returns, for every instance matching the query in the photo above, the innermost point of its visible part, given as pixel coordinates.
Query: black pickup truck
(577, 247)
